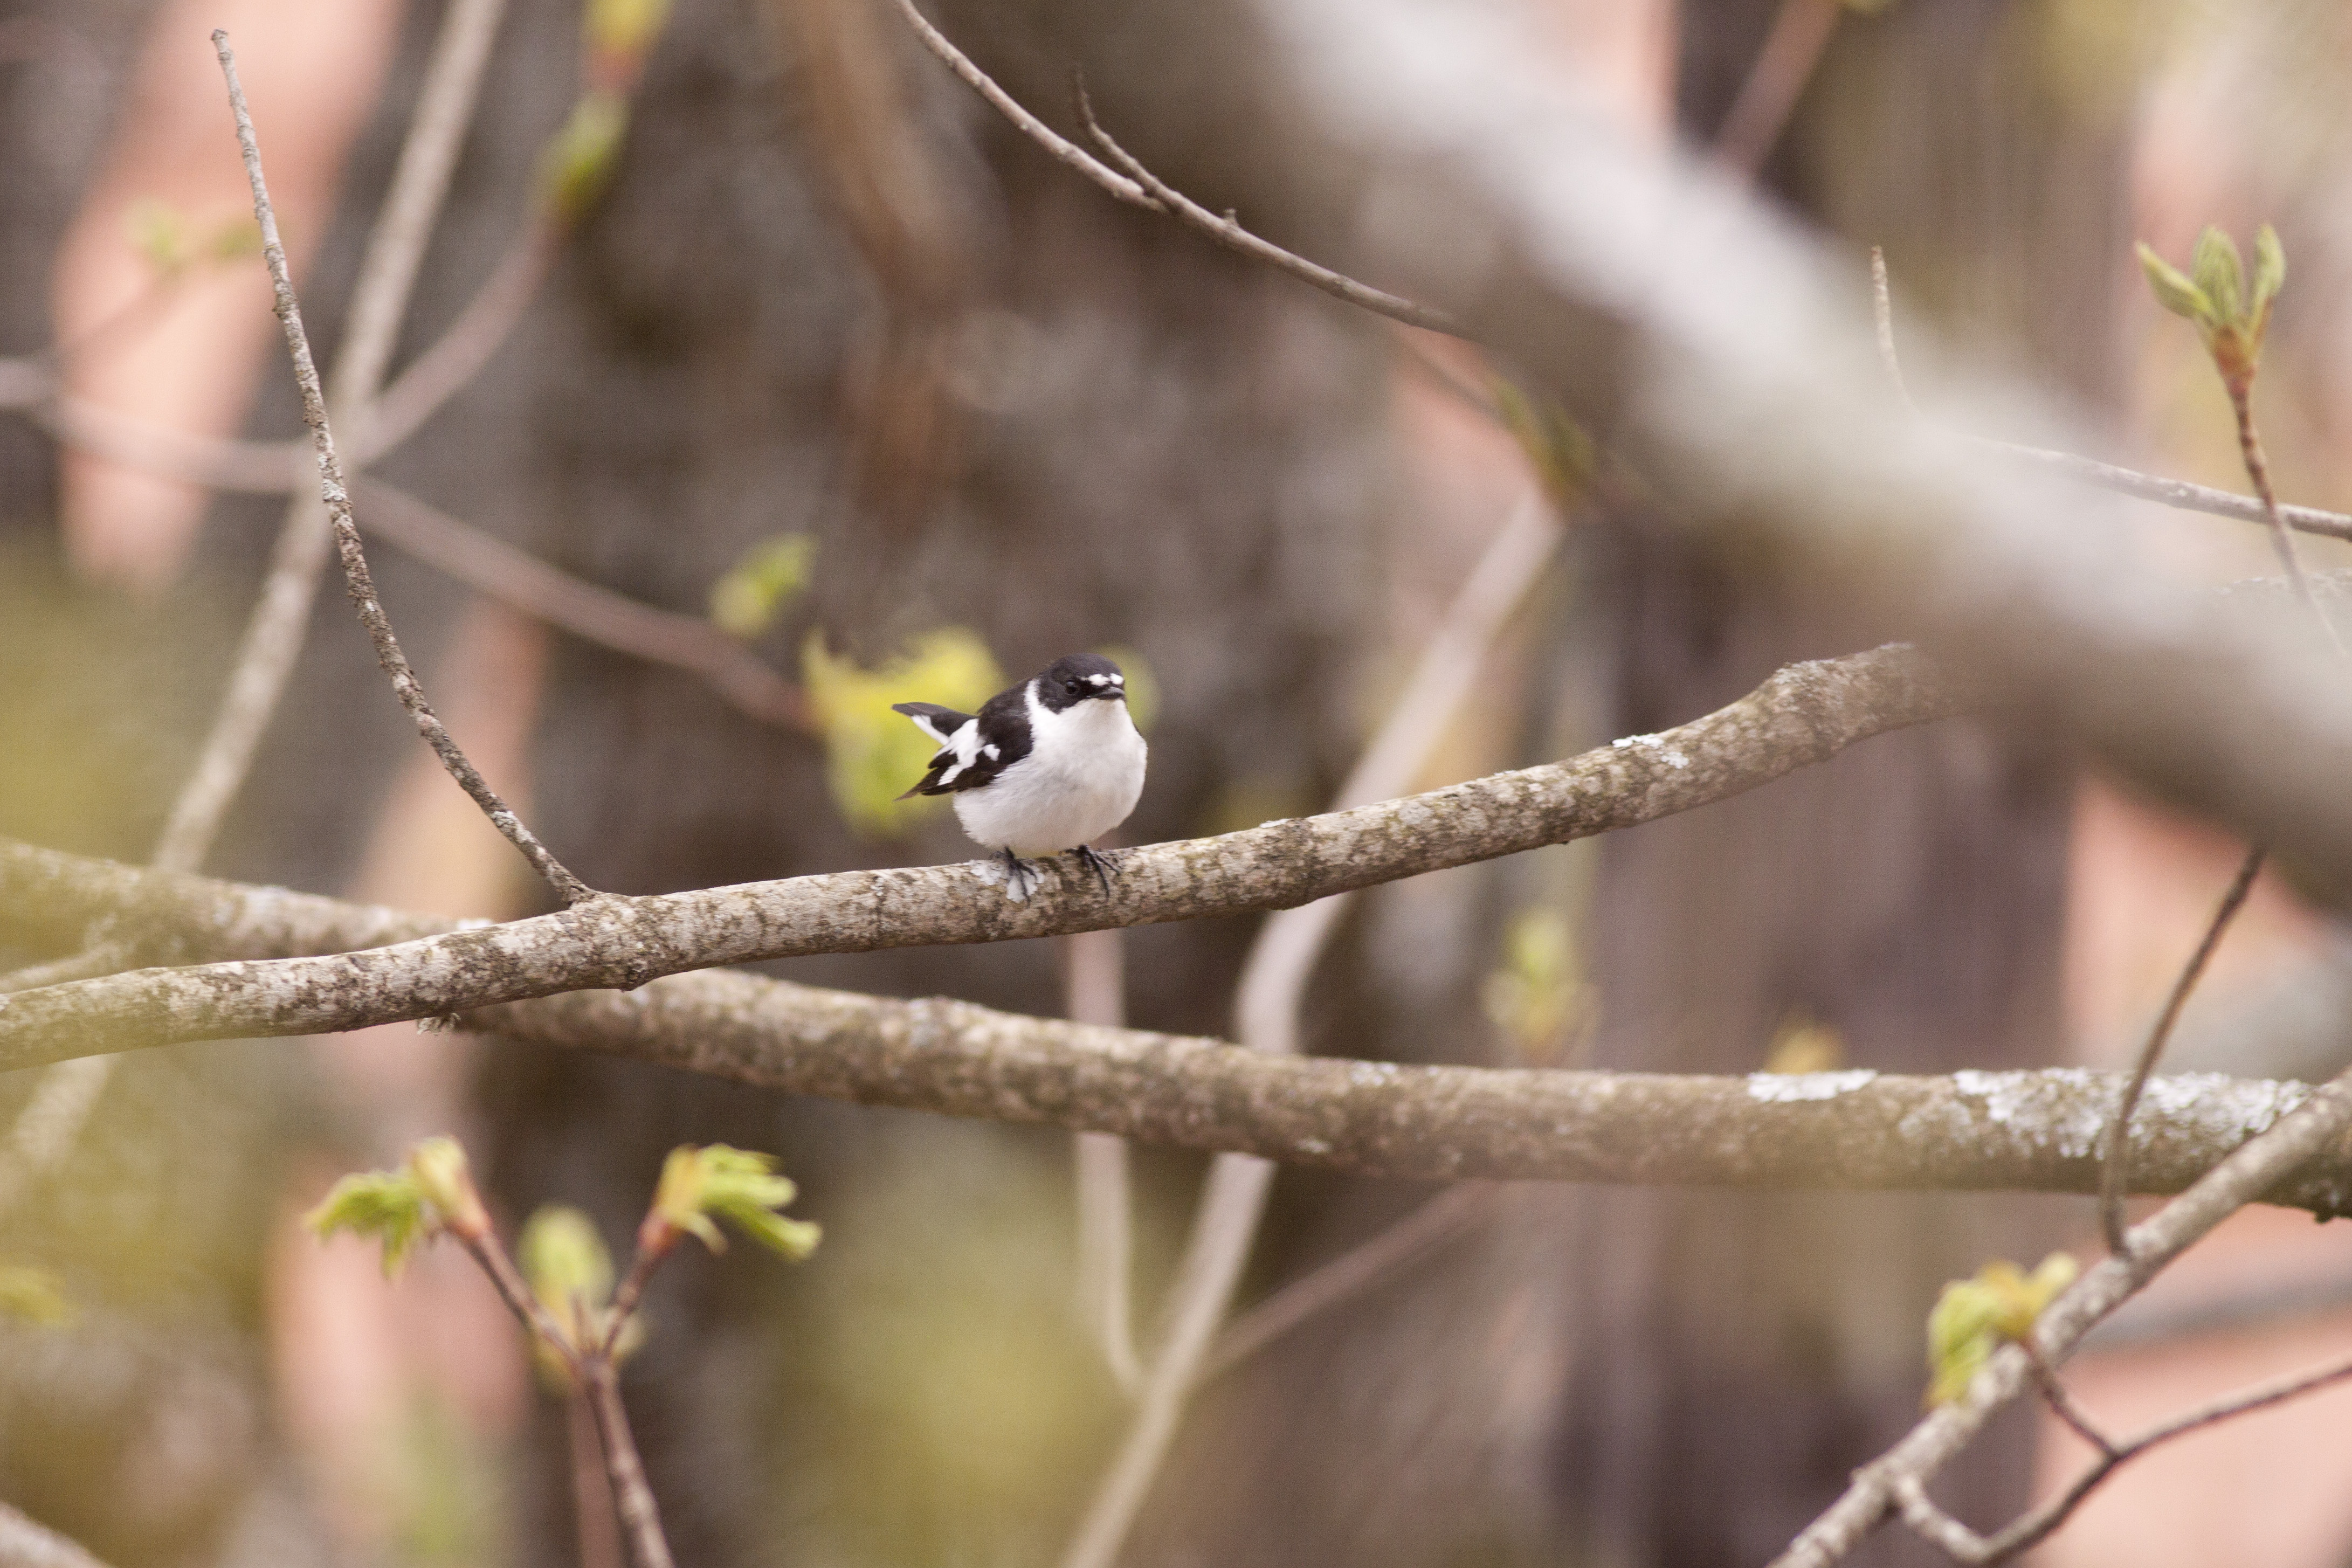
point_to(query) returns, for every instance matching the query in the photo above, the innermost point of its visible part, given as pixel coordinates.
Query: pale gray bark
(1804, 714)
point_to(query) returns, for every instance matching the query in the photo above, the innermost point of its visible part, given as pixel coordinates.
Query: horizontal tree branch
(1853, 1130)
(1804, 714)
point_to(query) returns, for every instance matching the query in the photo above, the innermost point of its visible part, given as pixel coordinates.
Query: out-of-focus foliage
(1562, 454)
(1972, 1317)
(578, 162)
(737, 1185)
(1802, 1045)
(32, 1295)
(2232, 319)
(873, 754)
(627, 27)
(761, 586)
(1537, 996)
(433, 1191)
(159, 232)
(571, 1271)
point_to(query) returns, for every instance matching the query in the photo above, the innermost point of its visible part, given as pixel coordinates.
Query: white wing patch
(965, 741)
(930, 726)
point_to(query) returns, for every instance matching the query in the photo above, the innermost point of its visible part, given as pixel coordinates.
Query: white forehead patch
(1109, 680)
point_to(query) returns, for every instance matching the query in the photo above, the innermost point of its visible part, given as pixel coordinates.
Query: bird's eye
(1071, 687)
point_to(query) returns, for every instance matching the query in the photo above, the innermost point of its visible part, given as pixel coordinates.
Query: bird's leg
(1102, 865)
(1020, 880)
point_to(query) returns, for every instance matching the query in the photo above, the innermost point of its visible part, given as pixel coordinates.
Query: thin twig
(1226, 231)
(2258, 469)
(273, 639)
(570, 888)
(1139, 188)
(633, 1495)
(1882, 305)
(1363, 1266)
(2115, 1181)
(1899, 1475)
(1094, 989)
(593, 1521)
(1800, 31)
(2032, 1529)
(2061, 1402)
(1274, 982)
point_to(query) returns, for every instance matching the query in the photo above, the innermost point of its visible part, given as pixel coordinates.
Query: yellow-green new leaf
(2172, 288)
(626, 26)
(386, 1205)
(2270, 276)
(872, 754)
(437, 1166)
(579, 158)
(32, 1295)
(757, 589)
(1971, 1317)
(734, 1185)
(2220, 276)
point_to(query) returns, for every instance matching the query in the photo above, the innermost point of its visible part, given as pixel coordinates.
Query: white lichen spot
(1670, 756)
(1788, 1088)
(1313, 1146)
(1364, 1073)
(2064, 1108)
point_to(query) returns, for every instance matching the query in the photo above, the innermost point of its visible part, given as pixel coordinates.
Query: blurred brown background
(826, 293)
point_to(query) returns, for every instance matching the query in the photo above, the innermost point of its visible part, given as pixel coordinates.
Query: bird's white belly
(1041, 806)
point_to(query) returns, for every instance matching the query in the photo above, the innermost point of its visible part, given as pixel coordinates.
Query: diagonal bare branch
(346, 536)
(1804, 714)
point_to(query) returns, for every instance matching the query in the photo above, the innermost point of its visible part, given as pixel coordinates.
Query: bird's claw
(1099, 862)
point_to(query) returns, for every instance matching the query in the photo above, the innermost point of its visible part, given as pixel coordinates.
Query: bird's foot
(1019, 877)
(1103, 863)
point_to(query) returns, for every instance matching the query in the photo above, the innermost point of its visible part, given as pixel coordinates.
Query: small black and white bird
(1045, 767)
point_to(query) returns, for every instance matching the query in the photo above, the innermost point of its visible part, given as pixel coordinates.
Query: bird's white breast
(1082, 777)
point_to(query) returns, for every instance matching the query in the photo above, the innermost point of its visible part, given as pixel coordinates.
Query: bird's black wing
(969, 758)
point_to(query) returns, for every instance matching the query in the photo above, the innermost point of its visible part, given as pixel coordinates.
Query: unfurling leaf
(564, 1259)
(757, 589)
(2270, 276)
(2172, 288)
(433, 1191)
(716, 1182)
(32, 1295)
(873, 754)
(1973, 1316)
(382, 1204)
(2220, 276)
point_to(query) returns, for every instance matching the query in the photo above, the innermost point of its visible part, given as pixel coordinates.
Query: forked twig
(346, 534)
(1137, 187)
(2031, 1530)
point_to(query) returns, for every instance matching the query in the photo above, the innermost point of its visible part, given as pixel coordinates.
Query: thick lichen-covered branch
(2037, 1131)
(1804, 714)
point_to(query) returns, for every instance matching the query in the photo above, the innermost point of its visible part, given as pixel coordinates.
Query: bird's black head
(1081, 677)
